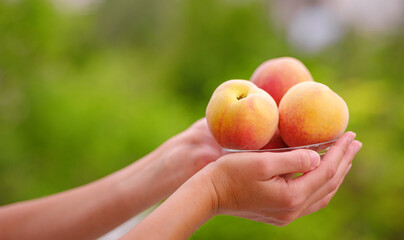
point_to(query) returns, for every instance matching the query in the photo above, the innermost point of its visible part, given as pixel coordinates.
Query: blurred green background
(87, 87)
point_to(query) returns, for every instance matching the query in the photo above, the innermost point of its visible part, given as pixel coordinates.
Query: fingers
(322, 203)
(335, 154)
(267, 165)
(297, 161)
(312, 181)
(334, 183)
(200, 123)
(201, 126)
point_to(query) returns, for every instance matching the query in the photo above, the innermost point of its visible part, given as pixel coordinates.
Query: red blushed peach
(310, 113)
(275, 142)
(242, 116)
(277, 76)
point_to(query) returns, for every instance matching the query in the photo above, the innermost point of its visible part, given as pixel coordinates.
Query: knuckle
(261, 167)
(324, 203)
(282, 224)
(331, 171)
(293, 202)
(286, 196)
(285, 219)
(303, 159)
(332, 185)
(192, 139)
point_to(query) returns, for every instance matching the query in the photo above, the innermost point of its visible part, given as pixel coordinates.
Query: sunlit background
(87, 87)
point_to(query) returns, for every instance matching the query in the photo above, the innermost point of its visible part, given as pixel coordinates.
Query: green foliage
(85, 94)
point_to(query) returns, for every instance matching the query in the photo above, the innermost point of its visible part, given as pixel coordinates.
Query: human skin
(249, 185)
(92, 210)
(89, 211)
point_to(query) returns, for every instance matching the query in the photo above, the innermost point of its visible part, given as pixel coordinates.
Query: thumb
(297, 161)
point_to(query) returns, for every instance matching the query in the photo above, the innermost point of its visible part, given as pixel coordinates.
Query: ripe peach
(277, 75)
(242, 116)
(275, 142)
(309, 113)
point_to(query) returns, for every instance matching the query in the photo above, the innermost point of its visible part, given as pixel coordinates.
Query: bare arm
(91, 210)
(180, 215)
(248, 185)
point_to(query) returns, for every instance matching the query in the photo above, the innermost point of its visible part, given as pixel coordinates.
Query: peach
(310, 113)
(275, 142)
(241, 116)
(277, 75)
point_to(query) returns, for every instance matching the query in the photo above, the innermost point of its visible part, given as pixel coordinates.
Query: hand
(249, 185)
(103, 204)
(199, 145)
(188, 152)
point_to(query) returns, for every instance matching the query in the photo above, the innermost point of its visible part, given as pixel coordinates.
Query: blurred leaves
(85, 94)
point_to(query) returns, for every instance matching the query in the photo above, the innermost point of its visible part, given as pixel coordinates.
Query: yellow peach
(241, 116)
(310, 113)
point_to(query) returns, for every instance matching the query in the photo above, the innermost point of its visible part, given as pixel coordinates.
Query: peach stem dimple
(243, 95)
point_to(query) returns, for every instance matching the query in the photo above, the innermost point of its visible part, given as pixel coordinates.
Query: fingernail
(353, 135)
(358, 147)
(315, 159)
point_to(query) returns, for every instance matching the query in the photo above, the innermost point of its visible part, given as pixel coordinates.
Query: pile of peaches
(281, 106)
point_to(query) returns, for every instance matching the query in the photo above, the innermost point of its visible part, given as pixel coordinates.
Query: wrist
(204, 183)
(223, 195)
(153, 177)
(163, 171)
(192, 205)
(175, 160)
(167, 164)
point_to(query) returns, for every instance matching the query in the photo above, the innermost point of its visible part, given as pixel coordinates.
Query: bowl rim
(280, 149)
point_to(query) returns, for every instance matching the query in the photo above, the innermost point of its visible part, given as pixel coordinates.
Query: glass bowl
(320, 148)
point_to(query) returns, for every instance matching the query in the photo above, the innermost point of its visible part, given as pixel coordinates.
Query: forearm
(81, 213)
(181, 214)
(89, 211)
